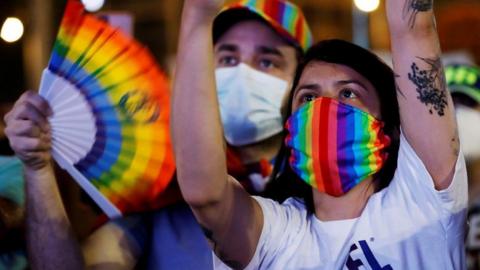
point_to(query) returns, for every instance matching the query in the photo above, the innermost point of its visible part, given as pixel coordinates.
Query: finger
(22, 128)
(24, 145)
(39, 103)
(28, 112)
(27, 100)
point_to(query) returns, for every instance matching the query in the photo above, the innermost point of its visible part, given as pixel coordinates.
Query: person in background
(12, 203)
(463, 81)
(257, 47)
(373, 153)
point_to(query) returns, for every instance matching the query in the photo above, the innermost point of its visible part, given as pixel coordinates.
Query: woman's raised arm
(426, 108)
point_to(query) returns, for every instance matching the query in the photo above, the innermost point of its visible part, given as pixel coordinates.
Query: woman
(363, 205)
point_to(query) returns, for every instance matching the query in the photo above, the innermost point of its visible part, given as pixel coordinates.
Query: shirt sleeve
(413, 180)
(281, 224)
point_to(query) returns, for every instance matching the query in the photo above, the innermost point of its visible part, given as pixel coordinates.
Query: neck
(266, 149)
(348, 206)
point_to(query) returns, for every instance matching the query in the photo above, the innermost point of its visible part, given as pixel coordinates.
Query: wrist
(199, 14)
(45, 169)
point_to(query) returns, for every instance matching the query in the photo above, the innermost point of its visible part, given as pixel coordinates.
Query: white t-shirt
(408, 225)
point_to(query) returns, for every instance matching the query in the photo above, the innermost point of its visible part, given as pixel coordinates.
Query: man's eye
(266, 64)
(347, 94)
(228, 61)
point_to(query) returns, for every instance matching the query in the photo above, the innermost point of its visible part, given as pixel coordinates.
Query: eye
(347, 94)
(266, 64)
(228, 61)
(307, 97)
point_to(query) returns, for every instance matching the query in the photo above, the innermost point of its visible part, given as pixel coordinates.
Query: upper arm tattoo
(430, 84)
(412, 7)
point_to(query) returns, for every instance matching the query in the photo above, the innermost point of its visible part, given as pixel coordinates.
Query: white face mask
(250, 104)
(468, 121)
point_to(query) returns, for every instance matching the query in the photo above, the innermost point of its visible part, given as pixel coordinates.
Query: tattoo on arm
(399, 91)
(430, 84)
(413, 7)
(231, 263)
(209, 234)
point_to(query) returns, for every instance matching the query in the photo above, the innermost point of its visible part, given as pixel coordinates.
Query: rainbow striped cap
(464, 79)
(285, 17)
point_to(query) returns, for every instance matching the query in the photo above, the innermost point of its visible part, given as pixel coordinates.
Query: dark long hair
(285, 183)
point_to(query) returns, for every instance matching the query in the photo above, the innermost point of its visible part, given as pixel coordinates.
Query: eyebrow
(310, 86)
(227, 47)
(357, 82)
(269, 50)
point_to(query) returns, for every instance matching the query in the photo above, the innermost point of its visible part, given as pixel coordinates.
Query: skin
(250, 42)
(232, 219)
(321, 79)
(255, 44)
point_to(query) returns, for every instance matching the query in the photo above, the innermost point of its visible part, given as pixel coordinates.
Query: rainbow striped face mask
(335, 146)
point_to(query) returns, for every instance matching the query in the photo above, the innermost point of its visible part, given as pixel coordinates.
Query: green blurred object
(464, 79)
(11, 180)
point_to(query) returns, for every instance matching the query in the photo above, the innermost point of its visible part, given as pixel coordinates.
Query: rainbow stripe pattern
(285, 17)
(334, 146)
(130, 161)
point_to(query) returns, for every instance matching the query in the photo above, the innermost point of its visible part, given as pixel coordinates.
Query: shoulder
(290, 208)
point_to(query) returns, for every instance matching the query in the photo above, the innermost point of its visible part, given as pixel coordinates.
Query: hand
(28, 130)
(207, 7)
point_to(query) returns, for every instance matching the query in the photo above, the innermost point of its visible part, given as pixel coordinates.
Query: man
(257, 47)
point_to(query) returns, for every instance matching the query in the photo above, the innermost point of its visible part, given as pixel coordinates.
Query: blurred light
(93, 5)
(367, 5)
(12, 29)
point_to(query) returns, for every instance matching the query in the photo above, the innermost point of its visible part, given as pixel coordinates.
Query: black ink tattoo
(455, 144)
(413, 7)
(209, 235)
(399, 91)
(230, 262)
(430, 85)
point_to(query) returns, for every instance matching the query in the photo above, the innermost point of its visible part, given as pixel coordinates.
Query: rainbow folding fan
(110, 127)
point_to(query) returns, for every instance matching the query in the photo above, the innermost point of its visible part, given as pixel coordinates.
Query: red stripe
(299, 35)
(272, 10)
(323, 141)
(316, 131)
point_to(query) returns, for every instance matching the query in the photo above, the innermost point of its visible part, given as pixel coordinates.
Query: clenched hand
(28, 130)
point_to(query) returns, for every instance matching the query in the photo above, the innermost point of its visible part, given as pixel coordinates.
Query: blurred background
(29, 28)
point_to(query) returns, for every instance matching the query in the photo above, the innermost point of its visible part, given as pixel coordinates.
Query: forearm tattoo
(399, 91)
(209, 235)
(413, 7)
(430, 85)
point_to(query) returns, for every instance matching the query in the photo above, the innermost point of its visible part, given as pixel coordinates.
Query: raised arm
(50, 240)
(426, 108)
(231, 219)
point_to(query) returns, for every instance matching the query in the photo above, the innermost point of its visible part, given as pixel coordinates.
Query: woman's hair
(284, 182)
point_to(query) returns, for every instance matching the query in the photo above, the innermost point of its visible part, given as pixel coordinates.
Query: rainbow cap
(464, 79)
(284, 17)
